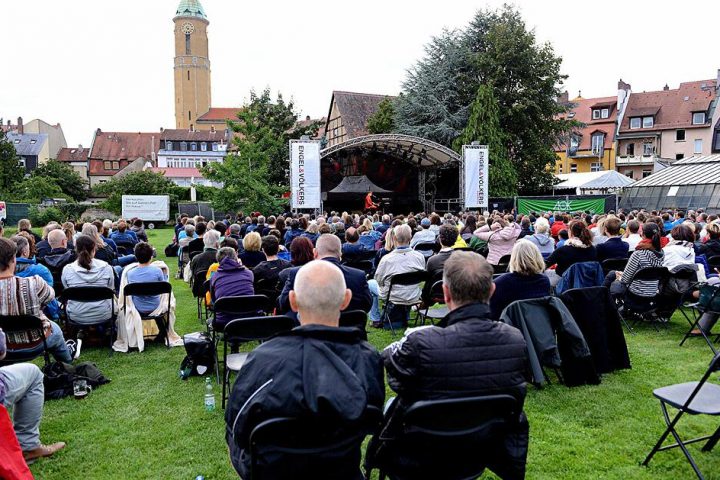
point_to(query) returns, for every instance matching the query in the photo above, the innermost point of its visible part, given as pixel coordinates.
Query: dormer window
(600, 113)
(596, 114)
(168, 145)
(193, 146)
(648, 122)
(203, 147)
(598, 143)
(698, 118)
(635, 122)
(183, 146)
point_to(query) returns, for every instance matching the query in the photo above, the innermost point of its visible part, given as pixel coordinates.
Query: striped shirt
(24, 296)
(639, 260)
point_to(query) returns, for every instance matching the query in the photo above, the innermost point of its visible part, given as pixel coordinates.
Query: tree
(383, 120)
(63, 175)
(11, 172)
(499, 51)
(34, 189)
(137, 183)
(484, 126)
(254, 176)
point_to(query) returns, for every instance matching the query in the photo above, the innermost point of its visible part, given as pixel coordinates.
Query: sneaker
(77, 349)
(72, 347)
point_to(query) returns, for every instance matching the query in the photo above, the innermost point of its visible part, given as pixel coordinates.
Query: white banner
(475, 161)
(146, 207)
(305, 174)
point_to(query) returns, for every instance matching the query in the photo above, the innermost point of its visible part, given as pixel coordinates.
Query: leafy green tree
(254, 175)
(497, 50)
(11, 172)
(383, 120)
(34, 189)
(137, 183)
(484, 126)
(69, 181)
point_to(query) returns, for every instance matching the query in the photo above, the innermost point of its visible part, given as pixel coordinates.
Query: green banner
(595, 205)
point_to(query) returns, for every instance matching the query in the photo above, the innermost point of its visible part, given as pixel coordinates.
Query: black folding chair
(125, 248)
(194, 254)
(698, 312)
(693, 398)
(269, 288)
(637, 308)
(354, 318)
(427, 248)
(199, 288)
(365, 265)
(713, 263)
(30, 330)
(409, 278)
(244, 330)
(90, 295)
(617, 264)
(151, 289)
(502, 265)
(436, 296)
(431, 429)
(309, 445)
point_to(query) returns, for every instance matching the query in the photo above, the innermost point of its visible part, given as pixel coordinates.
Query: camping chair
(88, 295)
(409, 278)
(436, 434)
(29, 328)
(436, 296)
(617, 264)
(708, 295)
(637, 308)
(308, 445)
(199, 290)
(152, 289)
(244, 330)
(354, 318)
(693, 398)
(502, 265)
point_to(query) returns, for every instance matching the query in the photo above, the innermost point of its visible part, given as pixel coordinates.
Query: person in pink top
(501, 235)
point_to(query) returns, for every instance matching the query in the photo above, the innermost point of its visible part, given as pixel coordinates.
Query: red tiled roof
(124, 145)
(179, 172)
(194, 136)
(73, 154)
(219, 115)
(670, 107)
(583, 107)
(355, 109)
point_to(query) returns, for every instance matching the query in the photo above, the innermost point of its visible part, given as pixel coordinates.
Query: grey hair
(468, 276)
(234, 229)
(21, 243)
(189, 229)
(211, 239)
(226, 252)
(542, 225)
(403, 234)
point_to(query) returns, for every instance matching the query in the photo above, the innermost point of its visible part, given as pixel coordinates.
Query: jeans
(24, 396)
(375, 294)
(55, 344)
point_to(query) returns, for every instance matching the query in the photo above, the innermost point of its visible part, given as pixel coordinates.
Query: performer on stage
(370, 205)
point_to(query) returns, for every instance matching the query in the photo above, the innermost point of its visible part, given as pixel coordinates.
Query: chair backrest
(714, 261)
(617, 264)
(437, 295)
(198, 284)
(256, 328)
(242, 305)
(712, 368)
(304, 446)
(364, 265)
(504, 260)
(88, 294)
(427, 246)
(651, 273)
(408, 278)
(147, 288)
(353, 318)
(194, 254)
(26, 327)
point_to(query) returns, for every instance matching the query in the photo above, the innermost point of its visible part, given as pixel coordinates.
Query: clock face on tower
(187, 28)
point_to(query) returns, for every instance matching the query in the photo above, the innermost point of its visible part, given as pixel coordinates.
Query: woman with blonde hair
(252, 256)
(525, 278)
(311, 233)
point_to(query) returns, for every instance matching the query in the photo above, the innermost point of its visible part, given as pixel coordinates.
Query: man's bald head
(319, 294)
(328, 245)
(57, 239)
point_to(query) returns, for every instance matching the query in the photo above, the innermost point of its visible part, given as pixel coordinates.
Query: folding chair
(125, 248)
(244, 330)
(309, 445)
(502, 265)
(194, 254)
(365, 265)
(693, 398)
(713, 263)
(30, 329)
(152, 289)
(269, 288)
(199, 290)
(89, 295)
(431, 430)
(436, 296)
(698, 311)
(354, 318)
(637, 308)
(409, 278)
(617, 264)
(427, 248)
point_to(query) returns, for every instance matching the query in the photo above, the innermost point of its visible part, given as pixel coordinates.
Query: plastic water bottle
(209, 395)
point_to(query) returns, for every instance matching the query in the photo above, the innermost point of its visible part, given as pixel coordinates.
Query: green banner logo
(595, 205)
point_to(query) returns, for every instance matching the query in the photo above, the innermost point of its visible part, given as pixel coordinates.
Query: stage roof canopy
(414, 150)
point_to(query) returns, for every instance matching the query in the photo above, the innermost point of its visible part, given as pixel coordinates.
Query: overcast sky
(109, 64)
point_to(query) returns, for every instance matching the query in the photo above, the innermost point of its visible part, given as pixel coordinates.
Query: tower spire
(190, 8)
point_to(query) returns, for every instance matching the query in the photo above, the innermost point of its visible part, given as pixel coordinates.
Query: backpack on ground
(200, 358)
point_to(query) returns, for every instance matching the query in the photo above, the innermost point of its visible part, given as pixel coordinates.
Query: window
(648, 149)
(189, 118)
(628, 173)
(698, 146)
(573, 167)
(598, 143)
(188, 74)
(168, 145)
(215, 147)
(183, 146)
(574, 144)
(116, 165)
(605, 113)
(560, 168)
(698, 118)
(107, 165)
(680, 135)
(596, 167)
(193, 146)
(630, 150)
(17, 140)
(187, 44)
(646, 173)
(203, 147)
(647, 122)
(635, 122)
(679, 156)
(596, 114)
(33, 141)
(21, 162)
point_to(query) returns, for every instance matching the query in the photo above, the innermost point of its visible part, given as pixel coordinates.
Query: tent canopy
(357, 184)
(606, 179)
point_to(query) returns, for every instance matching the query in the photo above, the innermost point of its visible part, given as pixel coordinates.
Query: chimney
(307, 118)
(666, 88)
(20, 128)
(564, 98)
(192, 128)
(624, 86)
(80, 147)
(162, 129)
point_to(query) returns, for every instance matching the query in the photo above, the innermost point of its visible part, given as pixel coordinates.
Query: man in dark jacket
(317, 370)
(328, 249)
(197, 244)
(466, 355)
(58, 257)
(231, 279)
(613, 247)
(208, 256)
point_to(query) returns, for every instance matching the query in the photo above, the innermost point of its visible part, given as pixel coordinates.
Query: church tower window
(187, 44)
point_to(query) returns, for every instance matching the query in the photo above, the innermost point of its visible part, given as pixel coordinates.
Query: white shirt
(632, 240)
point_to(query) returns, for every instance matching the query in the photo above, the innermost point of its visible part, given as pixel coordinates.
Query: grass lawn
(148, 424)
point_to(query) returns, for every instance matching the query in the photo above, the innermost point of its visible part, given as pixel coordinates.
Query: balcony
(635, 159)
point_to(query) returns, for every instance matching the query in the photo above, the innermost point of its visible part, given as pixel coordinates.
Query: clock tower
(192, 64)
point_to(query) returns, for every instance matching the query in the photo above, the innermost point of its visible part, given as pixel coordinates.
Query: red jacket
(557, 226)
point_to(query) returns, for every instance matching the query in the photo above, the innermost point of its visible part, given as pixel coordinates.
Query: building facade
(348, 115)
(183, 153)
(661, 127)
(119, 153)
(32, 148)
(590, 148)
(56, 136)
(77, 159)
